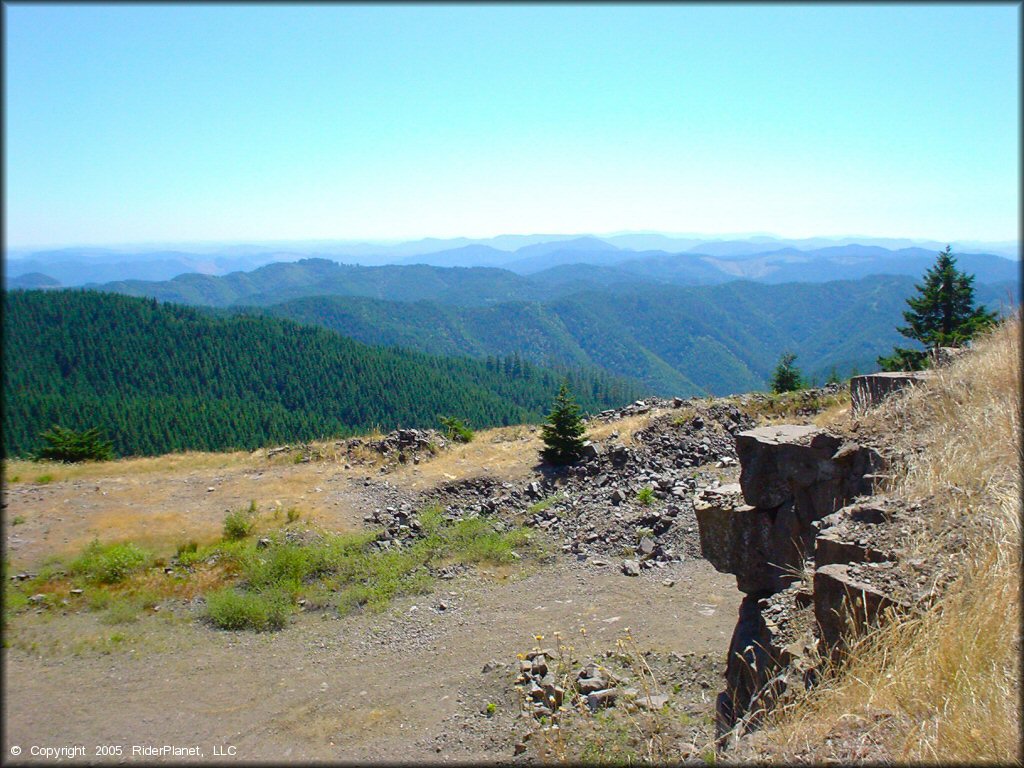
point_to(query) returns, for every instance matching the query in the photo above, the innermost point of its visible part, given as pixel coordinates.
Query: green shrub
(239, 524)
(186, 549)
(292, 515)
(233, 609)
(645, 496)
(44, 479)
(68, 445)
(110, 563)
(456, 429)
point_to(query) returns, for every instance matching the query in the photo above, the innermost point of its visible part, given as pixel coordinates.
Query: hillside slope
(163, 378)
(678, 341)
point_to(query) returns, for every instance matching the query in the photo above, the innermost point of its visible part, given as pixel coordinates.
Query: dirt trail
(372, 687)
(402, 686)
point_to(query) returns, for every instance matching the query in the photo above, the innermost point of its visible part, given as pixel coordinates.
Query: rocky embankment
(632, 504)
(817, 556)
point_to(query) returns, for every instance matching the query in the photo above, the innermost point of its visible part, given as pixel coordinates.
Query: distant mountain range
(696, 259)
(713, 319)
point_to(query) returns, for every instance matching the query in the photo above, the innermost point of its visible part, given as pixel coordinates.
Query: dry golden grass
(626, 427)
(507, 453)
(27, 471)
(948, 681)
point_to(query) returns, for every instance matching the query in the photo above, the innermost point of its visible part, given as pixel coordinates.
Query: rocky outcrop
(790, 477)
(868, 391)
(766, 531)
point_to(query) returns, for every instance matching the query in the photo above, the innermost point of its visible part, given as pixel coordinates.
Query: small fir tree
(786, 377)
(71, 446)
(941, 315)
(563, 433)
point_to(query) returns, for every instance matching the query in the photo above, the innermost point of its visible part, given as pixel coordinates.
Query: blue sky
(189, 122)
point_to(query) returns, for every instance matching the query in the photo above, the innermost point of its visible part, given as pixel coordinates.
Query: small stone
(591, 684)
(652, 702)
(631, 567)
(604, 698)
(669, 582)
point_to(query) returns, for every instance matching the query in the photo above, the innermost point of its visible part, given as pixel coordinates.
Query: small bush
(111, 563)
(186, 549)
(232, 609)
(292, 515)
(239, 524)
(44, 479)
(645, 496)
(18, 520)
(456, 429)
(71, 446)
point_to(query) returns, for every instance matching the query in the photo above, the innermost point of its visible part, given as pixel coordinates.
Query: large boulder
(815, 470)
(757, 545)
(870, 390)
(848, 600)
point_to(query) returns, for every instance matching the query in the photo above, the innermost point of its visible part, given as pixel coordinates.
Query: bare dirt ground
(406, 685)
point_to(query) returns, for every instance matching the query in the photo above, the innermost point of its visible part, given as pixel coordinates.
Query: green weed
(233, 609)
(109, 563)
(239, 524)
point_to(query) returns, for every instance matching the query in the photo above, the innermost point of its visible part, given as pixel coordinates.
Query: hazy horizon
(384, 242)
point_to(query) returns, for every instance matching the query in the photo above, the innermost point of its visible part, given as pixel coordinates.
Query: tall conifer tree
(941, 315)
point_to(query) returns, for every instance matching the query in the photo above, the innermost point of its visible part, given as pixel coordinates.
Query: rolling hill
(159, 378)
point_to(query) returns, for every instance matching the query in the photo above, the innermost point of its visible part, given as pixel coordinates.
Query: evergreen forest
(157, 378)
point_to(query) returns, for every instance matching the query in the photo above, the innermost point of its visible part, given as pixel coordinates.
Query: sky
(179, 122)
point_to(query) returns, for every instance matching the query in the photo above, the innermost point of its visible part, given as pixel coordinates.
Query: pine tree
(563, 433)
(942, 315)
(786, 377)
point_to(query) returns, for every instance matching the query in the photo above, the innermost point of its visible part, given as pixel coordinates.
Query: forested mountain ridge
(159, 377)
(279, 282)
(678, 341)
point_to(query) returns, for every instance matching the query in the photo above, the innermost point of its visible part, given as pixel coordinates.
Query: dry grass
(942, 687)
(626, 427)
(27, 471)
(507, 453)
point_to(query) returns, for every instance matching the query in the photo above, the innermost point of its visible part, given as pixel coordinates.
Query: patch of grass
(685, 416)
(786, 405)
(109, 563)
(292, 515)
(351, 569)
(44, 479)
(231, 608)
(645, 496)
(543, 504)
(18, 520)
(184, 550)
